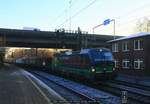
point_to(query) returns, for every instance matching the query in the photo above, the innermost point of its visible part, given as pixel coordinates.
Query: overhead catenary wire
(123, 24)
(78, 12)
(130, 21)
(73, 2)
(119, 17)
(146, 5)
(133, 11)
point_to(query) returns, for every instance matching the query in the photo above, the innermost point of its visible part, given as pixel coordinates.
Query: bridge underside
(47, 39)
(51, 45)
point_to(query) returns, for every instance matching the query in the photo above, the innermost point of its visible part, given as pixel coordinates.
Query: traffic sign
(106, 22)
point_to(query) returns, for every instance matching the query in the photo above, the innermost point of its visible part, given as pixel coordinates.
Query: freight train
(33, 62)
(93, 64)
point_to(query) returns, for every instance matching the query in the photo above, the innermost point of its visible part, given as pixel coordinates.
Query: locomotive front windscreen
(101, 55)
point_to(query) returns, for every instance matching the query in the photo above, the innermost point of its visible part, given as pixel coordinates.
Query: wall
(131, 55)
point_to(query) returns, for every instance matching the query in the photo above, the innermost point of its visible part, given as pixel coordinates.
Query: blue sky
(51, 14)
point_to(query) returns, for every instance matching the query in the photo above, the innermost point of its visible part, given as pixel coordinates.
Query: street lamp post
(106, 22)
(114, 28)
(96, 27)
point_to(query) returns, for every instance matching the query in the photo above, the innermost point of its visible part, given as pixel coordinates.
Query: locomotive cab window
(99, 55)
(108, 55)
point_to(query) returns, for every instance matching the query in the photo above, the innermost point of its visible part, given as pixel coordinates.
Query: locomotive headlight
(93, 70)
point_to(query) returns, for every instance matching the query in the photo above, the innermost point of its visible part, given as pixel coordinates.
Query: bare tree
(143, 25)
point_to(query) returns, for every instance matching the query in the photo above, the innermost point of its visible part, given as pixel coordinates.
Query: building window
(138, 44)
(116, 63)
(125, 46)
(138, 64)
(115, 47)
(126, 63)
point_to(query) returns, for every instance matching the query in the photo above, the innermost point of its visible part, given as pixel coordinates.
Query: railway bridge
(51, 39)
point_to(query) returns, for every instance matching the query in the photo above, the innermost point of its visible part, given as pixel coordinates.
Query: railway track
(82, 98)
(136, 94)
(135, 85)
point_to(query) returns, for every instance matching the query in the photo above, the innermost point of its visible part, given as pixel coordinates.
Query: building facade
(132, 54)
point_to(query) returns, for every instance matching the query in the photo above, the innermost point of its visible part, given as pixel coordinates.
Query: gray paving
(16, 88)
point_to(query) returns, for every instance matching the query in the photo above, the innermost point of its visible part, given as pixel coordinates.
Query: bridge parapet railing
(71, 31)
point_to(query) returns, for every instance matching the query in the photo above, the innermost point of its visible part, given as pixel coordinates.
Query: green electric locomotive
(95, 63)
